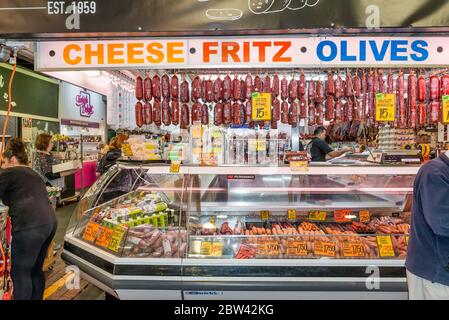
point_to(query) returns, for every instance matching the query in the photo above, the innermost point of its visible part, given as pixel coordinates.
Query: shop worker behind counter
(320, 150)
(427, 260)
(33, 221)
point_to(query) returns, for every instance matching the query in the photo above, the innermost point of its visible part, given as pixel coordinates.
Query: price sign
(353, 249)
(174, 166)
(205, 248)
(406, 239)
(364, 216)
(445, 111)
(261, 106)
(212, 220)
(341, 215)
(216, 249)
(291, 214)
(324, 248)
(90, 233)
(385, 246)
(104, 237)
(385, 107)
(264, 215)
(302, 166)
(261, 145)
(117, 237)
(267, 248)
(317, 215)
(296, 248)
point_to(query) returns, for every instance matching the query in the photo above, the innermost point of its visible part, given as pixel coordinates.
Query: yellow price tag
(267, 248)
(324, 248)
(212, 220)
(296, 248)
(353, 249)
(385, 246)
(445, 111)
(205, 248)
(90, 233)
(175, 166)
(385, 107)
(261, 145)
(104, 237)
(317, 215)
(264, 215)
(216, 249)
(291, 214)
(364, 216)
(406, 239)
(299, 166)
(117, 237)
(261, 106)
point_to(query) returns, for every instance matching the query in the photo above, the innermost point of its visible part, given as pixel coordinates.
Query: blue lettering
(363, 50)
(344, 52)
(399, 46)
(421, 53)
(379, 56)
(320, 50)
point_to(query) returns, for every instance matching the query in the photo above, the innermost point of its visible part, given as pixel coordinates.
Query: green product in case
(161, 220)
(165, 214)
(155, 221)
(161, 206)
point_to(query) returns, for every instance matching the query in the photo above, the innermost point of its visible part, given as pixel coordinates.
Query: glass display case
(224, 231)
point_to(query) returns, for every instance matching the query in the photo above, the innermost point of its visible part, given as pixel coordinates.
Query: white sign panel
(255, 52)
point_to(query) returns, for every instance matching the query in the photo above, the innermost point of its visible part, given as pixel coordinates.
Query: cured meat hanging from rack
(203, 89)
(227, 88)
(339, 111)
(376, 83)
(147, 89)
(139, 88)
(434, 110)
(157, 112)
(196, 113)
(349, 110)
(434, 84)
(165, 82)
(218, 90)
(147, 113)
(330, 110)
(302, 85)
(319, 115)
(166, 113)
(276, 111)
(139, 114)
(236, 114)
(209, 87)
(236, 88)
(284, 89)
(175, 112)
(371, 97)
(248, 112)
(249, 86)
(227, 113)
(293, 114)
(284, 112)
(196, 89)
(293, 89)
(422, 92)
(303, 108)
(411, 99)
(312, 114)
(257, 84)
(242, 112)
(338, 87)
(319, 92)
(242, 91)
(357, 86)
(185, 94)
(204, 114)
(218, 114)
(266, 84)
(185, 116)
(380, 79)
(422, 114)
(330, 84)
(311, 90)
(364, 98)
(444, 85)
(174, 87)
(349, 86)
(276, 85)
(400, 87)
(390, 83)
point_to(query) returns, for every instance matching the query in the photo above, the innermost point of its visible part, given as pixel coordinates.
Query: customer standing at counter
(112, 155)
(33, 221)
(320, 150)
(427, 260)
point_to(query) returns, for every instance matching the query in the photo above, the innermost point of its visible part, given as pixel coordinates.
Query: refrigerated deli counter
(230, 232)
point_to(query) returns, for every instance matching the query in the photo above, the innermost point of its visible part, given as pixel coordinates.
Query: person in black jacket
(32, 218)
(112, 155)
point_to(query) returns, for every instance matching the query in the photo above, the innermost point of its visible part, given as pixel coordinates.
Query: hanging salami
(284, 89)
(248, 86)
(196, 89)
(209, 87)
(196, 113)
(157, 114)
(330, 110)
(147, 113)
(185, 94)
(227, 88)
(147, 89)
(218, 114)
(312, 114)
(302, 85)
(284, 112)
(434, 84)
(293, 114)
(276, 111)
(422, 94)
(185, 116)
(276, 86)
(236, 89)
(330, 84)
(139, 114)
(302, 108)
(165, 83)
(218, 90)
(266, 84)
(166, 113)
(293, 89)
(257, 84)
(139, 88)
(227, 113)
(174, 87)
(204, 114)
(338, 87)
(174, 112)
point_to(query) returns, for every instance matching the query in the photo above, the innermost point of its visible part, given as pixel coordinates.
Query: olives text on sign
(385, 107)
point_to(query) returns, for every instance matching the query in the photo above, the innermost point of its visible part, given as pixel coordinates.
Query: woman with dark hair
(33, 221)
(114, 152)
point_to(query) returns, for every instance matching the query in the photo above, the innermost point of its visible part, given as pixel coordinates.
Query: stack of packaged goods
(139, 148)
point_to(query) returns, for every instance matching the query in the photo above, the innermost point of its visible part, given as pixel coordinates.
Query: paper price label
(267, 248)
(406, 239)
(90, 233)
(117, 237)
(291, 214)
(324, 248)
(317, 215)
(353, 249)
(175, 166)
(216, 249)
(385, 107)
(261, 145)
(364, 216)
(205, 248)
(445, 111)
(385, 246)
(296, 248)
(104, 237)
(300, 166)
(264, 215)
(212, 220)
(341, 215)
(261, 106)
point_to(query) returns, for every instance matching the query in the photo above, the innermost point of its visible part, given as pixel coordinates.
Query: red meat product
(444, 85)
(330, 84)
(147, 113)
(196, 89)
(203, 89)
(273, 125)
(319, 94)
(276, 110)
(349, 88)
(276, 86)
(330, 110)
(339, 112)
(139, 88)
(227, 88)
(266, 84)
(311, 90)
(166, 113)
(196, 113)
(227, 113)
(293, 89)
(422, 94)
(218, 114)
(139, 114)
(302, 107)
(402, 114)
(302, 85)
(185, 116)
(411, 98)
(284, 112)
(157, 112)
(204, 114)
(147, 89)
(339, 87)
(380, 79)
(390, 83)
(434, 84)
(185, 94)
(400, 87)
(209, 91)
(357, 86)
(434, 110)
(175, 112)
(174, 85)
(284, 89)
(413, 117)
(236, 113)
(248, 87)
(319, 115)
(257, 84)
(364, 98)
(349, 110)
(376, 83)
(242, 91)
(422, 114)
(312, 114)
(371, 96)
(293, 114)
(248, 112)
(165, 86)
(218, 90)
(242, 113)
(236, 88)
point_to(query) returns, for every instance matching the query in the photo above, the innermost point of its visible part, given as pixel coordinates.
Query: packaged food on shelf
(139, 148)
